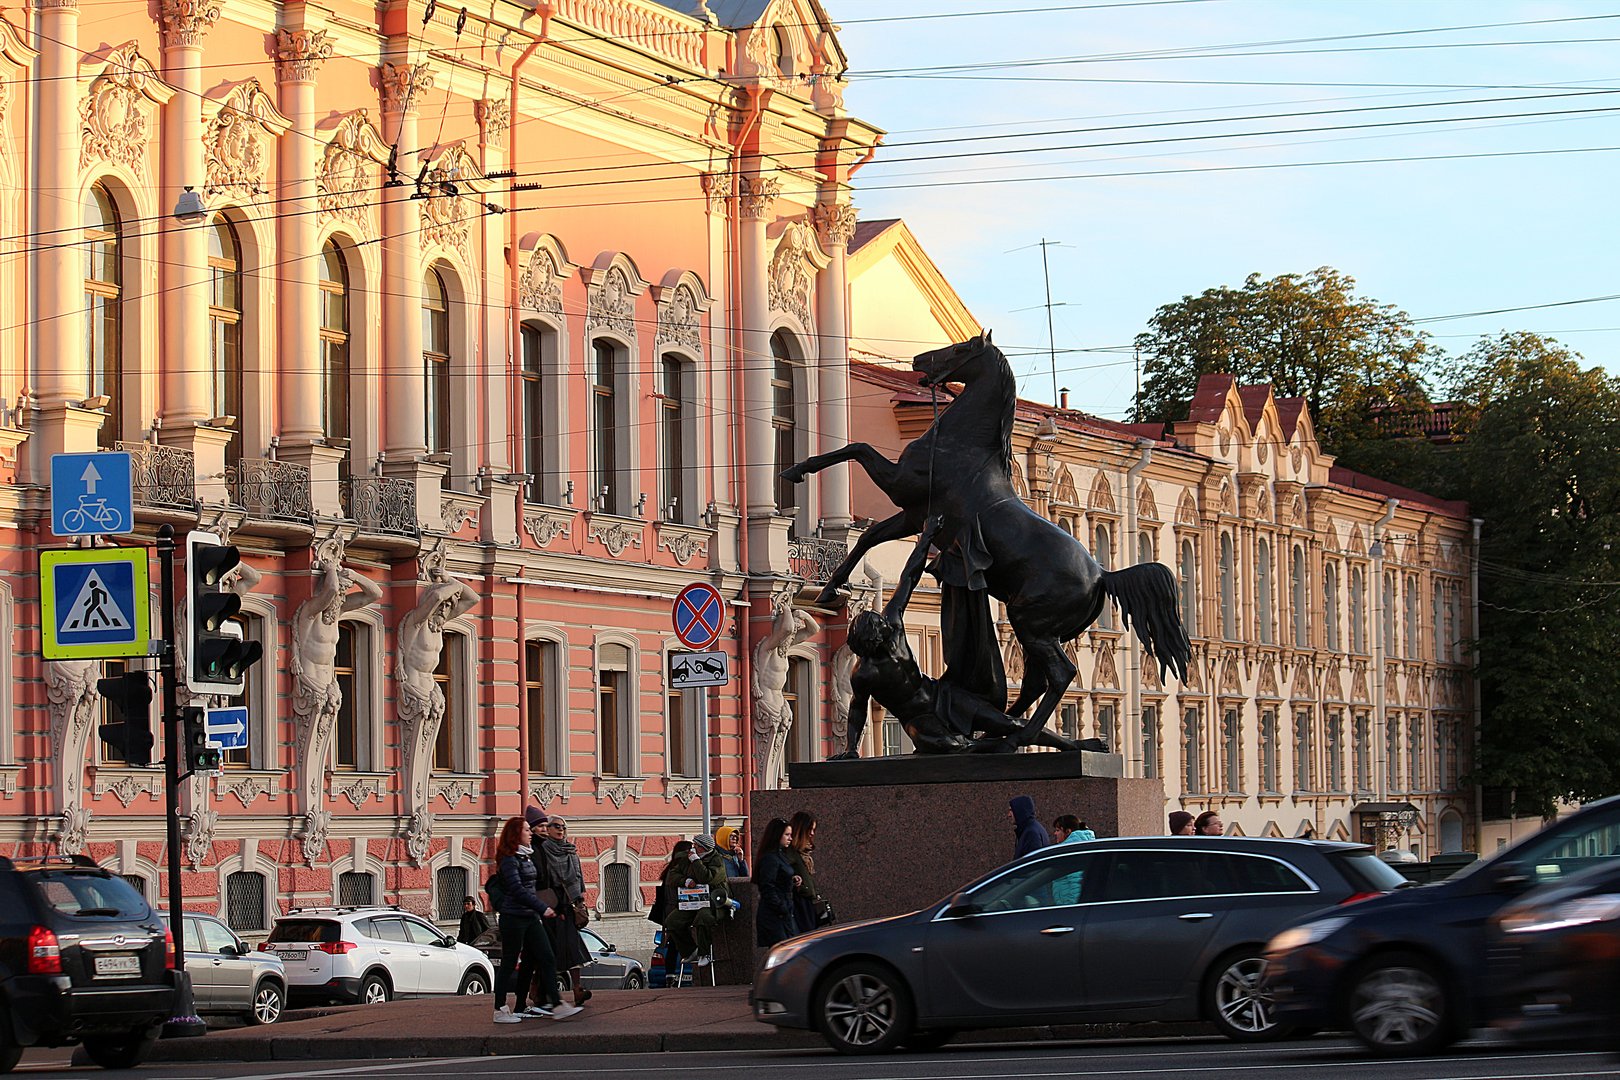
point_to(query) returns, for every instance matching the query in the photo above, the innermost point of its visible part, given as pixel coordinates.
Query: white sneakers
(704, 960)
(505, 1015)
(564, 1011)
(537, 1010)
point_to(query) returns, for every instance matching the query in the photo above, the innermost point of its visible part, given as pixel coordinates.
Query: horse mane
(1009, 386)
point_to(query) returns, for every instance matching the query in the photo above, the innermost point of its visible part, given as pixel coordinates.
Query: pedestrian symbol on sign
(94, 609)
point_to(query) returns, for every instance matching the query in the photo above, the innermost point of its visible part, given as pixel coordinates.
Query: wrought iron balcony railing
(275, 490)
(164, 476)
(381, 504)
(813, 558)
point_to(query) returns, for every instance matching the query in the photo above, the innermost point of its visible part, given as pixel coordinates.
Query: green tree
(1356, 362)
(1537, 463)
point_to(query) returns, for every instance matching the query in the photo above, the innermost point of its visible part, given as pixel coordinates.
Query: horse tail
(1147, 600)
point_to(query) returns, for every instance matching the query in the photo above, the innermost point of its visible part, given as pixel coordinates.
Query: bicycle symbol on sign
(94, 511)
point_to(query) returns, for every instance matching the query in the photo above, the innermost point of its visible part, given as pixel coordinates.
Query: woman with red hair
(525, 947)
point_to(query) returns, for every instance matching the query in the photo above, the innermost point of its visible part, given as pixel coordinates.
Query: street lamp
(189, 208)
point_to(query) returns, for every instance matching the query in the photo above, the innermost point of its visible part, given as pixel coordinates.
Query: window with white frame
(1103, 552)
(1187, 587)
(616, 711)
(543, 719)
(1392, 752)
(1268, 750)
(1330, 604)
(351, 732)
(450, 887)
(1228, 589)
(787, 369)
(1335, 751)
(356, 888)
(1304, 751)
(616, 888)
(1413, 640)
(1361, 751)
(1262, 578)
(244, 901)
(1358, 610)
(685, 740)
(1414, 753)
(676, 490)
(225, 326)
(605, 392)
(450, 750)
(803, 742)
(1298, 600)
(538, 342)
(258, 743)
(104, 304)
(1192, 747)
(335, 337)
(1232, 750)
(1391, 645)
(1150, 741)
(1436, 620)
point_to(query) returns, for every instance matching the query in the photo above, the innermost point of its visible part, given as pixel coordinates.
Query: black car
(1408, 973)
(1555, 961)
(82, 959)
(1117, 930)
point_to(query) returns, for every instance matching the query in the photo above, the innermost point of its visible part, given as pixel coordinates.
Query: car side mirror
(447, 943)
(961, 907)
(231, 950)
(1510, 877)
(611, 948)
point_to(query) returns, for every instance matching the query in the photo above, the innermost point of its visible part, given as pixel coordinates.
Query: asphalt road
(1162, 1059)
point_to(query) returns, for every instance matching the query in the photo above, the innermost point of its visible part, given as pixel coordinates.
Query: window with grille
(356, 888)
(136, 882)
(616, 888)
(244, 901)
(451, 884)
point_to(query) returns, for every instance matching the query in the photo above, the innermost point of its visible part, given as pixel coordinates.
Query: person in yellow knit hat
(729, 839)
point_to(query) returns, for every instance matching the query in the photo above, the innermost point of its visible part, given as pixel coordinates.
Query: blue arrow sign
(92, 494)
(227, 728)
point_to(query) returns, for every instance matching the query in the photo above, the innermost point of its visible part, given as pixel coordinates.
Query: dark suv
(82, 959)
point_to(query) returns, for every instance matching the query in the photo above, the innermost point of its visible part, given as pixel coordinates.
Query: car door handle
(386, 952)
(1058, 931)
(1196, 916)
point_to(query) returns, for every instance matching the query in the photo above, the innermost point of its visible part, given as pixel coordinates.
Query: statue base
(895, 834)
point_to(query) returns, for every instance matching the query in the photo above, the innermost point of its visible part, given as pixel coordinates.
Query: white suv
(371, 954)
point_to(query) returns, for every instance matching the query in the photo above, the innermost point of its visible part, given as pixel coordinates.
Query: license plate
(118, 967)
(292, 954)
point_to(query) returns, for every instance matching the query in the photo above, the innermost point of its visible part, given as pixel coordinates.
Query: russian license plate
(118, 967)
(292, 954)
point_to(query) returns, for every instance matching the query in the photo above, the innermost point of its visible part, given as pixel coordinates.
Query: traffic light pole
(185, 1020)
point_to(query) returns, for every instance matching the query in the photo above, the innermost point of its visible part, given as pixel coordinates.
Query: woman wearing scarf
(557, 861)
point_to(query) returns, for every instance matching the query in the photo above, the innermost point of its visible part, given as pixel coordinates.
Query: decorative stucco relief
(114, 113)
(234, 141)
(611, 303)
(349, 169)
(678, 321)
(790, 278)
(447, 199)
(299, 53)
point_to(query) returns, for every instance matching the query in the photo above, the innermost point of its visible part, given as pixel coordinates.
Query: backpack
(496, 891)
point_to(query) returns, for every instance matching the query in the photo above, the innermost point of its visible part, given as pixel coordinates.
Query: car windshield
(306, 930)
(1584, 839)
(88, 894)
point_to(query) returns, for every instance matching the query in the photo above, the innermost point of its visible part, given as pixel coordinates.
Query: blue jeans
(525, 949)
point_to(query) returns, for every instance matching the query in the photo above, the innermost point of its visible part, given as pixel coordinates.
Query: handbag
(582, 914)
(660, 905)
(549, 898)
(824, 912)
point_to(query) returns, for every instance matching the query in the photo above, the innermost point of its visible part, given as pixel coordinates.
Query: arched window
(1262, 574)
(450, 750)
(616, 888)
(335, 332)
(244, 901)
(436, 361)
(1103, 552)
(1144, 547)
(538, 342)
(674, 414)
(450, 883)
(1330, 603)
(1436, 621)
(1358, 610)
(1390, 643)
(616, 756)
(356, 888)
(1409, 632)
(1192, 765)
(605, 459)
(784, 50)
(1228, 589)
(1297, 599)
(225, 326)
(103, 323)
(785, 371)
(1188, 588)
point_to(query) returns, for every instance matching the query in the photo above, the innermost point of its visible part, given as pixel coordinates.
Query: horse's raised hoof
(847, 755)
(830, 599)
(793, 474)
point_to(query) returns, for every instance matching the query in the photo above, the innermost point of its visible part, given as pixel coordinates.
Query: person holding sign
(690, 927)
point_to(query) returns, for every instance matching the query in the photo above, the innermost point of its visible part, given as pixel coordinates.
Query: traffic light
(130, 696)
(218, 656)
(200, 757)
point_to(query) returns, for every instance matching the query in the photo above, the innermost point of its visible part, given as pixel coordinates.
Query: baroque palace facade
(491, 332)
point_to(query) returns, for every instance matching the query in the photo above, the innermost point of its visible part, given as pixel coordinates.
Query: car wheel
(10, 1052)
(121, 1051)
(374, 990)
(1399, 1005)
(928, 1039)
(474, 983)
(1237, 1004)
(636, 980)
(863, 1008)
(269, 1001)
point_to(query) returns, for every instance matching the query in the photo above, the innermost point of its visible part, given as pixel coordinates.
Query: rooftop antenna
(1051, 338)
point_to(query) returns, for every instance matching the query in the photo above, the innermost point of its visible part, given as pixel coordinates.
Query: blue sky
(1435, 238)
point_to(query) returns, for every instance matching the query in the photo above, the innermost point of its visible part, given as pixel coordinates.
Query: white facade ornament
(718, 187)
(200, 835)
(448, 202)
(545, 525)
(678, 320)
(611, 303)
(234, 141)
(835, 223)
(615, 534)
(494, 117)
(419, 835)
(540, 286)
(773, 716)
(349, 171)
(685, 792)
(114, 111)
(455, 789)
(75, 830)
(421, 703)
(757, 196)
(247, 787)
(300, 52)
(316, 694)
(316, 825)
(404, 84)
(71, 699)
(546, 792)
(187, 22)
(790, 278)
(683, 541)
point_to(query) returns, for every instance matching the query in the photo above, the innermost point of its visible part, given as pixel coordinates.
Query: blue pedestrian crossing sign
(94, 603)
(92, 494)
(227, 728)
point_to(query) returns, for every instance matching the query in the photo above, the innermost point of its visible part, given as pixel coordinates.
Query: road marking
(395, 1065)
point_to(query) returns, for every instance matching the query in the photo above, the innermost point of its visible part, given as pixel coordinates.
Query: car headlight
(781, 954)
(1306, 934)
(1577, 912)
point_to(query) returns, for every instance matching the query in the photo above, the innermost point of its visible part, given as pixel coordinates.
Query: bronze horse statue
(960, 470)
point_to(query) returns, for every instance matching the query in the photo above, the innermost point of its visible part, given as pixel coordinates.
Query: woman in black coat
(774, 919)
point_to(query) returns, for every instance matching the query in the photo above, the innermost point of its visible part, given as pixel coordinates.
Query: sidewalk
(615, 1022)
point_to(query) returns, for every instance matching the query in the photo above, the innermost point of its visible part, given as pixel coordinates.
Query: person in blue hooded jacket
(1030, 835)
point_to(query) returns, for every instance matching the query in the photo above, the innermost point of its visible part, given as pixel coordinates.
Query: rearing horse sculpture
(960, 469)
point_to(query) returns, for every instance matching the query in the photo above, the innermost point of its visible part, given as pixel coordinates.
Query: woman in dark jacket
(775, 919)
(521, 935)
(557, 862)
(800, 853)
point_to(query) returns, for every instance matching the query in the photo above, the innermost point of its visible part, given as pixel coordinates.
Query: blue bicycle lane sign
(92, 494)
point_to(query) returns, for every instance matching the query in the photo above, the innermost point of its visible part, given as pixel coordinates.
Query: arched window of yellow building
(103, 322)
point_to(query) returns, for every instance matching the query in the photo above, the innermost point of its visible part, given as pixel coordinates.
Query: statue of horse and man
(953, 486)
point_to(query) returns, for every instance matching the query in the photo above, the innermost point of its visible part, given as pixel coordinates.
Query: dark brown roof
(867, 231)
(1350, 480)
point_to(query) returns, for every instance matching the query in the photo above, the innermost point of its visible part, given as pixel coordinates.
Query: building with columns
(489, 331)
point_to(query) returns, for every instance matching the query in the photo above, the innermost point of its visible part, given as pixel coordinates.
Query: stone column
(767, 534)
(61, 373)
(835, 223)
(299, 54)
(183, 277)
(404, 380)
(499, 522)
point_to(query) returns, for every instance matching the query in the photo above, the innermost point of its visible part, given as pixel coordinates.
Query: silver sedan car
(1119, 930)
(229, 978)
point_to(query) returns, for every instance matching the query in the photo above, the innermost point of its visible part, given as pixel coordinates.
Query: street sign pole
(185, 1021)
(703, 758)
